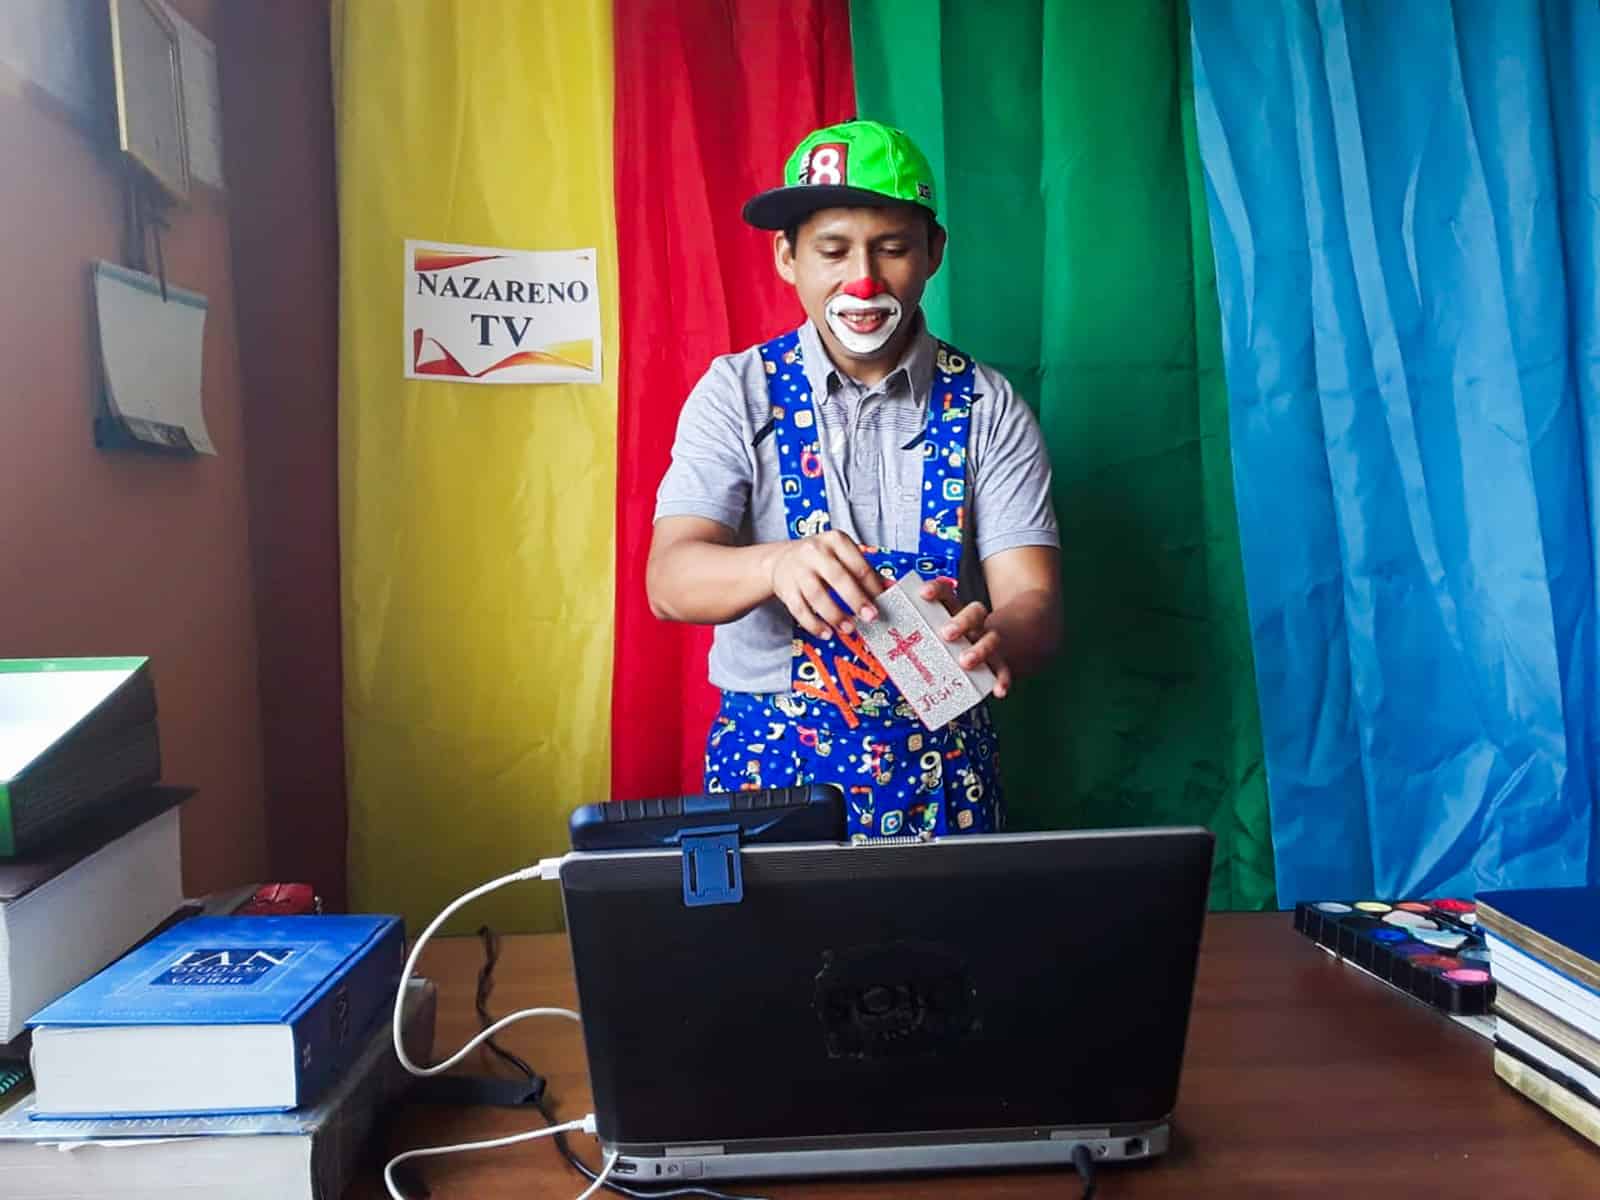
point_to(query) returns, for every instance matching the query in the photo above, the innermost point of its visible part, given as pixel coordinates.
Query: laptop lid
(863, 993)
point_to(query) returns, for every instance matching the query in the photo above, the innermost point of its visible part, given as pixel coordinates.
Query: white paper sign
(477, 314)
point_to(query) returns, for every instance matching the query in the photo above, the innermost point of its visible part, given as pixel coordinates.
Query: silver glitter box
(926, 668)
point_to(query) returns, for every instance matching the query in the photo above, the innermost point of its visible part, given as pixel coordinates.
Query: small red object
(281, 900)
(864, 288)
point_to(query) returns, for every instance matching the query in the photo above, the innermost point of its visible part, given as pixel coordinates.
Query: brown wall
(123, 552)
(278, 143)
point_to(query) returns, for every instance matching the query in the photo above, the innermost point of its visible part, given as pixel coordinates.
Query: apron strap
(944, 464)
(794, 424)
(944, 452)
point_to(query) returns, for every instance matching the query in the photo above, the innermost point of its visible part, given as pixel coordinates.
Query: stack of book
(89, 846)
(148, 1045)
(1544, 948)
(247, 1057)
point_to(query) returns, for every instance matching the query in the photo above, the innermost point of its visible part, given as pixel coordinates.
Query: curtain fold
(1079, 265)
(712, 95)
(1402, 204)
(1360, 564)
(476, 521)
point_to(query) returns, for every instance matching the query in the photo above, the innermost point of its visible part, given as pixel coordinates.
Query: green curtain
(1080, 265)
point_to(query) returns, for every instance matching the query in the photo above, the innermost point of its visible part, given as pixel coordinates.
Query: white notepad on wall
(150, 350)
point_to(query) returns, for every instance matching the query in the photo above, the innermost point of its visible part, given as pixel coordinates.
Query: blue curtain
(1405, 207)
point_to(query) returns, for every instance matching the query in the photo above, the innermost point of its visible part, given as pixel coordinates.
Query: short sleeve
(712, 469)
(1011, 477)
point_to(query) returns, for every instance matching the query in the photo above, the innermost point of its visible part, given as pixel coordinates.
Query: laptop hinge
(711, 870)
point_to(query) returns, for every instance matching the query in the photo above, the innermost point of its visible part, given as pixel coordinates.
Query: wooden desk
(1303, 1078)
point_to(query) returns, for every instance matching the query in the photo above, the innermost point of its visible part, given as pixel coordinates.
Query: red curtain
(711, 97)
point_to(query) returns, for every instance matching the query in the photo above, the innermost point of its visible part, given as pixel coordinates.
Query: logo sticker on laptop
(895, 1001)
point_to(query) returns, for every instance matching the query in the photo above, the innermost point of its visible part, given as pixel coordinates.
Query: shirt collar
(916, 364)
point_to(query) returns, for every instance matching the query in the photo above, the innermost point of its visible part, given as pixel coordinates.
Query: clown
(863, 316)
(818, 741)
(811, 524)
(877, 760)
(862, 808)
(940, 526)
(790, 705)
(812, 471)
(873, 702)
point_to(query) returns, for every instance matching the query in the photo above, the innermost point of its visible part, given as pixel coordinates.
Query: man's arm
(697, 574)
(1025, 589)
(1024, 629)
(1017, 540)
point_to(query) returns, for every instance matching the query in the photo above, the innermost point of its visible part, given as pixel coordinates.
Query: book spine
(1564, 1105)
(1543, 950)
(340, 1145)
(1544, 986)
(1548, 1028)
(333, 1029)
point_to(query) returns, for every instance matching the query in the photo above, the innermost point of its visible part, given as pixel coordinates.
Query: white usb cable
(586, 1125)
(546, 869)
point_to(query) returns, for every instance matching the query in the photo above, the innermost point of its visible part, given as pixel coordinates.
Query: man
(810, 472)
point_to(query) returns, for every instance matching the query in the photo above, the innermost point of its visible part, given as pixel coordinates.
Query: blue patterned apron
(844, 721)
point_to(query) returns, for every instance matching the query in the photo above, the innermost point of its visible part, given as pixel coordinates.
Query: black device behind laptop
(965, 1002)
(808, 813)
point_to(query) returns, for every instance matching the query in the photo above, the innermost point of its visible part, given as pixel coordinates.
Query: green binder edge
(38, 666)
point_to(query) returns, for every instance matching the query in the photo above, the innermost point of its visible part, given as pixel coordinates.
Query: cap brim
(782, 207)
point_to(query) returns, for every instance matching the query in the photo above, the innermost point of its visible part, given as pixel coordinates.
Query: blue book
(218, 1015)
(1544, 946)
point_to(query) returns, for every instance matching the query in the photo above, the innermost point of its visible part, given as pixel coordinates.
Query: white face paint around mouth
(884, 310)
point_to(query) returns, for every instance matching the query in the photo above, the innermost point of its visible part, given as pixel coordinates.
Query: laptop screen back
(966, 984)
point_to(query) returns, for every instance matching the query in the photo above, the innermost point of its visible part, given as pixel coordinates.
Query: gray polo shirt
(723, 471)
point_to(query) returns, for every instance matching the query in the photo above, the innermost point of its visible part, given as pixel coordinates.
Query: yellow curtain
(477, 521)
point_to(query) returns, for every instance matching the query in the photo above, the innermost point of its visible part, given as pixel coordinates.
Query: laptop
(972, 1002)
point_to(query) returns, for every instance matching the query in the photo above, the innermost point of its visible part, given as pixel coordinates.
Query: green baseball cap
(858, 163)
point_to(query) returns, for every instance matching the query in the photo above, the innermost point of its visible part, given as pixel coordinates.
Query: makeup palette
(1430, 949)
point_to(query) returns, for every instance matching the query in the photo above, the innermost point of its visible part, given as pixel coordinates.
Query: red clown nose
(863, 289)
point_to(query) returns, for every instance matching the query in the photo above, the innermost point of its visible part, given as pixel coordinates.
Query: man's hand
(971, 623)
(808, 574)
